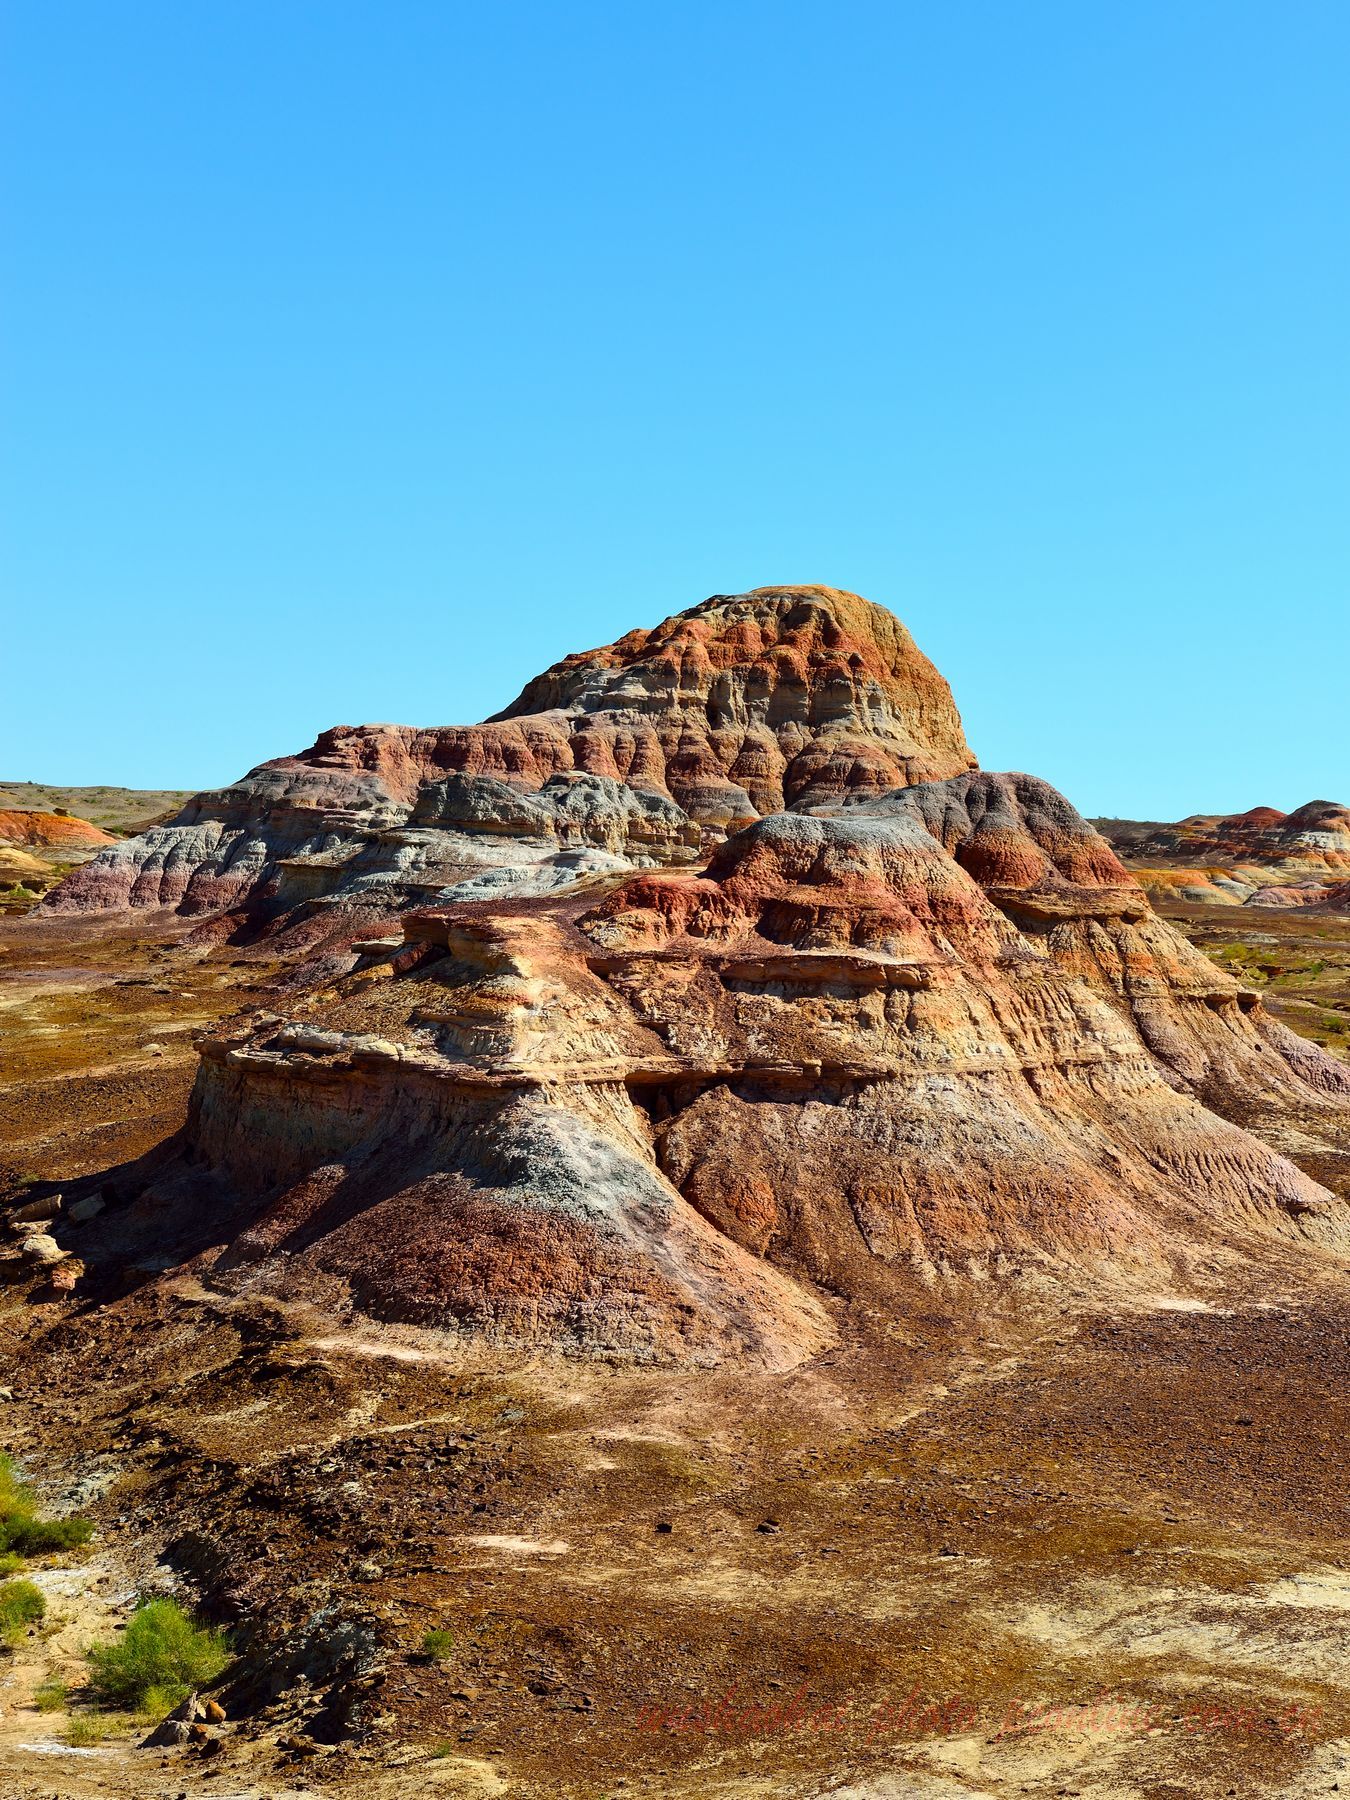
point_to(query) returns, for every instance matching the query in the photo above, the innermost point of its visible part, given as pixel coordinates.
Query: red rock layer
(51, 831)
(661, 1126)
(1314, 838)
(734, 709)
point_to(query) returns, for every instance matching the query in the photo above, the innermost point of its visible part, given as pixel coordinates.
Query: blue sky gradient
(361, 360)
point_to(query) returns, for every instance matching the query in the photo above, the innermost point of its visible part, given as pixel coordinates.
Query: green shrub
(23, 1529)
(11, 1488)
(160, 1648)
(34, 1536)
(21, 1605)
(438, 1645)
(51, 1696)
(158, 1702)
(91, 1728)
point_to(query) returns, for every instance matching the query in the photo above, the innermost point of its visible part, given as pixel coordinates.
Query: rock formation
(1257, 858)
(862, 1017)
(36, 848)
(51, 831)
(647, 750)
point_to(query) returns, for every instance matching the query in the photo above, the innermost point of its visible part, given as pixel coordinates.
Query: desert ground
(998, 1541)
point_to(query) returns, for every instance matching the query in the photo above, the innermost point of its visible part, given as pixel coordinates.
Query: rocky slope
(862, 1018)
(643, 751)
(834, 1054)
(1257, 858)
(975, 1476)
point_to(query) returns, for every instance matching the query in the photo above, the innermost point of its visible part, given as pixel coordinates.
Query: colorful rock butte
(1260, 858)
(706, 989)
(647, 751)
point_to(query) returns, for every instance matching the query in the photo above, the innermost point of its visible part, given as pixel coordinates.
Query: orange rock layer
(51, 831)
(675, 1121)
(732, 710)
(864, 1018)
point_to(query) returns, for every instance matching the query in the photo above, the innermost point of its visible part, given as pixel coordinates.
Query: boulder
(40, 1250)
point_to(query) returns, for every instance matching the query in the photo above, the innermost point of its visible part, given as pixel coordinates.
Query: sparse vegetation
(438, 1645)
(161, 1652)
(51, 1696)
(23, 1529)
(158, 1701)
(36, 1536)
(1257, 963)
(19, 895)
(88, 1728)
(21, 1605)
(1299, 962)
(123, 811)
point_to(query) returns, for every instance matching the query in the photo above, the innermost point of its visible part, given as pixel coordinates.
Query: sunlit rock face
(1315, 837)
(724, 992)
(1261, 858)
(685, 1117)
(651, 749)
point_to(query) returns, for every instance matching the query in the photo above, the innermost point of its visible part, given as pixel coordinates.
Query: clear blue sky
(361, 360)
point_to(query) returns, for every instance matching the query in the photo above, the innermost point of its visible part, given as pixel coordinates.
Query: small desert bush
(161, 1649)
(159, 1701)
(11, 1488)
(438, 1645)
(21, 1605)
(51, 1696)
(35, 1536)
(23, 1529)
(87, 1728)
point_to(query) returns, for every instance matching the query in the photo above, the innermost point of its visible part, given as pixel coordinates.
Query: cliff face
(727, 712)
(862, 1018)
(665, 1122)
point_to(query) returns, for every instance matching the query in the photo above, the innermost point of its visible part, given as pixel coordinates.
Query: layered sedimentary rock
(51, 831)
(664, 1123)
(1316, 837)
(37, 847)
(672, 737)
(1257, 858)
(867, 1018)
